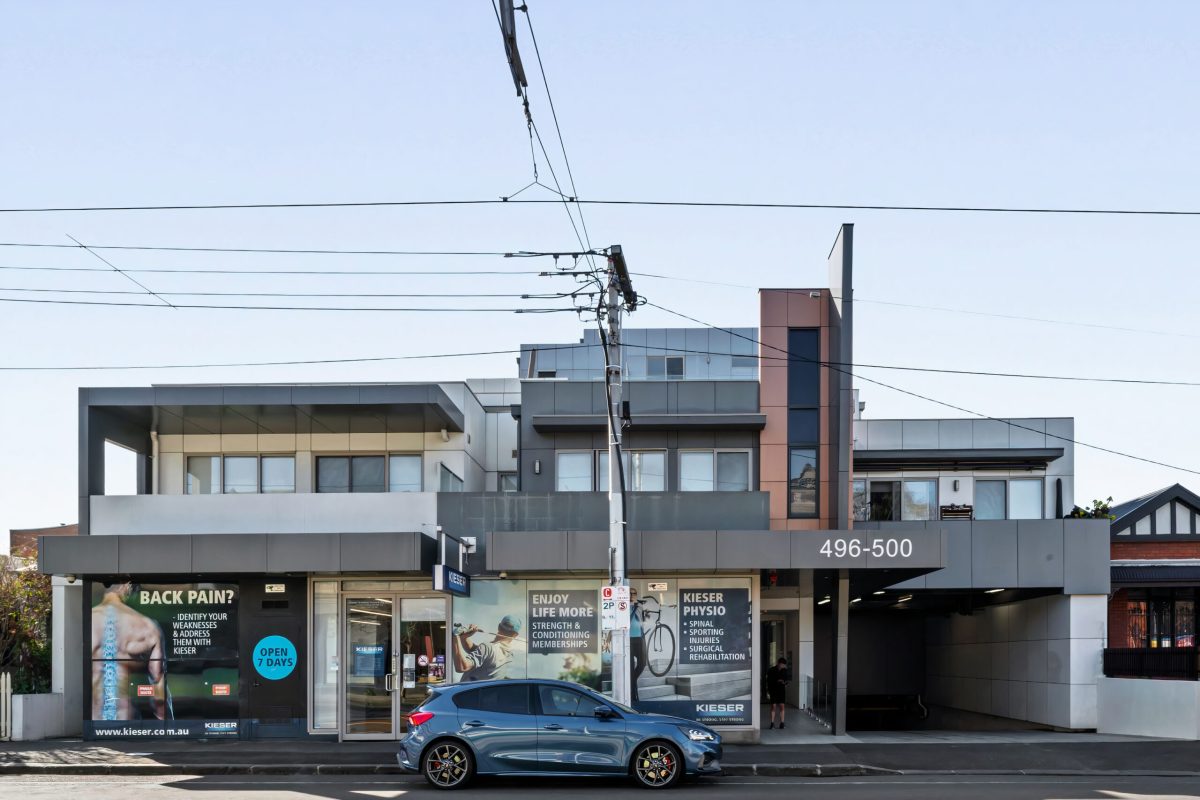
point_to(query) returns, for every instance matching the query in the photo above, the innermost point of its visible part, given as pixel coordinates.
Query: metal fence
(6, 701)
(1178, 663)
(818, 699)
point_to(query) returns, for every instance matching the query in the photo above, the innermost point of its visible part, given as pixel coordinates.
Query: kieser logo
(220, 726)
(720, 708)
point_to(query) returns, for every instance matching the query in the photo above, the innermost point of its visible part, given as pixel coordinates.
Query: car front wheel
(448, 765)
(657, 765)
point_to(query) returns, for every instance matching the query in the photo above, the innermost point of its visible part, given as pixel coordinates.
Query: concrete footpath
(933, 753)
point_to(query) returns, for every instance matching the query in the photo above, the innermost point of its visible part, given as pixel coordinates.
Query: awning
(1158, 574)
(236, 553)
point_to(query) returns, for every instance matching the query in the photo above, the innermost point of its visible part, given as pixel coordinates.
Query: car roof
(509, 682)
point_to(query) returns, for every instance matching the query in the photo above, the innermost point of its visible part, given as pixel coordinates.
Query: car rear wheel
(448, 765)
(657, 765)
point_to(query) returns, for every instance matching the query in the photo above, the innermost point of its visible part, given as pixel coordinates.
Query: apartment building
(282, 570)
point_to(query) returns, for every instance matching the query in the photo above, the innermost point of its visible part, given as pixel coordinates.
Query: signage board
(276, 588)
(450, 581)
(614, 608)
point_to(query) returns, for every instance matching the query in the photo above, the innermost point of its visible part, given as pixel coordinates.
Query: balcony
(263, 513)
(1173, 663)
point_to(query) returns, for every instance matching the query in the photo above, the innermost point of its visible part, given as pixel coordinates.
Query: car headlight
(698, 735)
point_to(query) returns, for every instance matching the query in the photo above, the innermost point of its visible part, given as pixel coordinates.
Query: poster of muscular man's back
(164, 659)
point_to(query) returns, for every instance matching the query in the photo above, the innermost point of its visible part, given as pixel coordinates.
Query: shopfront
(378, 645)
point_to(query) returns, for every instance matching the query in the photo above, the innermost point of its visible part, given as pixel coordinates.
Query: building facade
(275, 574)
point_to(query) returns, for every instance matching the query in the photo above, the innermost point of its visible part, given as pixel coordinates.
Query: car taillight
(420, 718)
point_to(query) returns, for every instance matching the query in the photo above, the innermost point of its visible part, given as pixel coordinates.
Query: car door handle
(475, 723)
(554, 727)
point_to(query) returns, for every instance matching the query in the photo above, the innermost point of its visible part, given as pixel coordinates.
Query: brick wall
(1118, 619)
(1126, 550)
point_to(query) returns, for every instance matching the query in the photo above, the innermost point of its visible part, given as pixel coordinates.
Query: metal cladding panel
(77, 555)
(236, 552)
(154, 553)
(381, 552)
(734, 397)
(994, 554)
(587, 551)
(1040, 552)
(959, 547)
(679, 550)
(1086, 547)
(533, 551)
(753, 549)
(304, 552)
(257, 395)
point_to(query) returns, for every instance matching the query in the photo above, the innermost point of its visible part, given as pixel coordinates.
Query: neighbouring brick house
(1155, 586)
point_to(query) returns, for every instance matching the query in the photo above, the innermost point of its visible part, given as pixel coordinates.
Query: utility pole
(620, 297)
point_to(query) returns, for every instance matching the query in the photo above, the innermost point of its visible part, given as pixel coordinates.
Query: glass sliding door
(395, 652)
(370, 660)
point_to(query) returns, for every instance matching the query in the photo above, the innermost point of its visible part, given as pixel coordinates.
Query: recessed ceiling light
(881, 591)
(993, 591)
(906, 598)
(823, 602)
(856, 600)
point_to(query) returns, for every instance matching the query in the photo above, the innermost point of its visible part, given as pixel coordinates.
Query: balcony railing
(1177, 663)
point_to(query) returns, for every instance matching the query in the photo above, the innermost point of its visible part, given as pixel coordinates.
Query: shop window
(1160, 618)
(325, 655)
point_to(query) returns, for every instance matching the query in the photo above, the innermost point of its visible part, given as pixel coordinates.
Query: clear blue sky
(1062, 104)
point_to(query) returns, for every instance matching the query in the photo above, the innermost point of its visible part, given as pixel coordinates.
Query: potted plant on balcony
(1101, 509)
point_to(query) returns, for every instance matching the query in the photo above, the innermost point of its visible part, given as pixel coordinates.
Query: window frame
(898, 497)
(750, 475)
(219, 481)
(600, 477)
(387, 469)
(591, 466)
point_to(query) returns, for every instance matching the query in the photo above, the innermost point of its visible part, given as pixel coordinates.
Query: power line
(546, 296)
(612, 202)
(199, 271)
(927, 398)
(309, 251)
(285, 308)
(133, 280)
(627, 345)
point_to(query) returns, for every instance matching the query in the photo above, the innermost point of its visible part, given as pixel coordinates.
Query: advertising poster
(691, 649)
(164, 660)
(528, 629)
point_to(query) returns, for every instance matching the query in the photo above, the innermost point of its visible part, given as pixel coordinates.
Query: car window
(503, 699)
(560, 702)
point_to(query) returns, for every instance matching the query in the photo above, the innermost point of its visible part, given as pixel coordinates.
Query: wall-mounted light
(537, 466)
(956, 484)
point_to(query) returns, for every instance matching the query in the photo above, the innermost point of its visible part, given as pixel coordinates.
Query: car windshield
(619, 706)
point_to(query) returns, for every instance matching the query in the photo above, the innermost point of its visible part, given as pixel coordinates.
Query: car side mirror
(604, 712)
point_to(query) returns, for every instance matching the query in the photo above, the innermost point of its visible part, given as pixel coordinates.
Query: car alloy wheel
(447, 765)
(657, 766)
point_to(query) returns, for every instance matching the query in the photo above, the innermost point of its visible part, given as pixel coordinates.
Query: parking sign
(614, 608)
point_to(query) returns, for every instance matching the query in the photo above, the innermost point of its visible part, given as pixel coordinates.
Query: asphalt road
(284, 787)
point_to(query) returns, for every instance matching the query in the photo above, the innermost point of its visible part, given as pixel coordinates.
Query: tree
(25, 603)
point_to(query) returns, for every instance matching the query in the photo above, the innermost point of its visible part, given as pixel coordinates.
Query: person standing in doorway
(778, 677)
(637, 644)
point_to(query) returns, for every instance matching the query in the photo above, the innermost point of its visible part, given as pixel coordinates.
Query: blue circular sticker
(274, 657)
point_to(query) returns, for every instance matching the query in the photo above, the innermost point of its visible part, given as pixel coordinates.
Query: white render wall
(1035, 660)
(1145, 707)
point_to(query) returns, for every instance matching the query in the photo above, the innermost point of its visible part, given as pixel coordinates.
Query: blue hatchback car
(544, 727)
